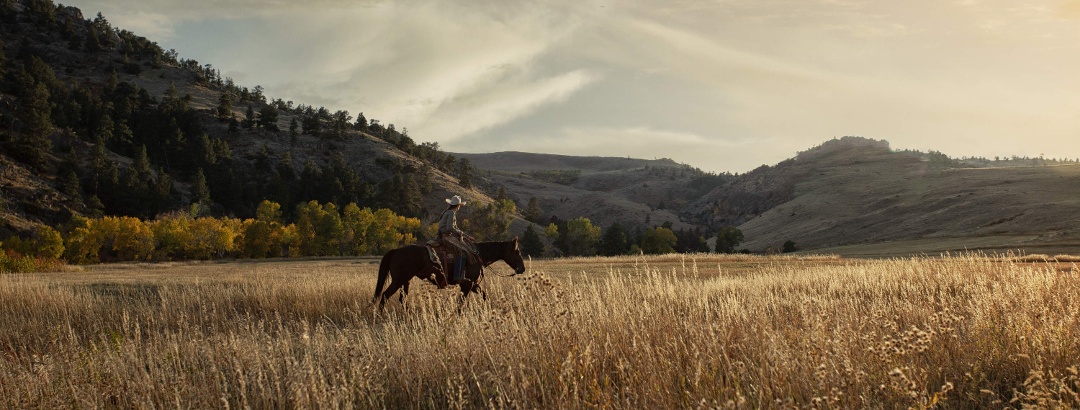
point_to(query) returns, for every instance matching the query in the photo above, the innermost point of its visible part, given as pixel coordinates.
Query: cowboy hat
(455, 200)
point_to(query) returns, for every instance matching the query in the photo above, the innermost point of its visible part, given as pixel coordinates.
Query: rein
(499, 275)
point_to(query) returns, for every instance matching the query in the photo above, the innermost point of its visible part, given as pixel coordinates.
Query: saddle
(438, 256)
(445, 256)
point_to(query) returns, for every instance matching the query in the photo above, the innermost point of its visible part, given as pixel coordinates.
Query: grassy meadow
(693, 331)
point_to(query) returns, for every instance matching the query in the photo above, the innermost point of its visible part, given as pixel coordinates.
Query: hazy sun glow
(723, 85)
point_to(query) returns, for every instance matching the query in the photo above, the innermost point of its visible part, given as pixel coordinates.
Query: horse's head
(512, 256)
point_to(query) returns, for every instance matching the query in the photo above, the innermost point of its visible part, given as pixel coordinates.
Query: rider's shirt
(448, 223)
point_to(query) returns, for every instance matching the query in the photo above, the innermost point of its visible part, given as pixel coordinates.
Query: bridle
(488, 264)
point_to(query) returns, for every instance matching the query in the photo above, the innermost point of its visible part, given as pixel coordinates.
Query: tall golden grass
(687, 332)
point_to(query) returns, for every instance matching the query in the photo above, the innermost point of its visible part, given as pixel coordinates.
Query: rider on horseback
(454, 238)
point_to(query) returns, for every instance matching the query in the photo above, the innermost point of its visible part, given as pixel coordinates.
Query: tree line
(323, 229)
(579, 237)
(318, 230)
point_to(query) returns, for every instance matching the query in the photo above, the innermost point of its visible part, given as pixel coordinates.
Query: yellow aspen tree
(132, 239)
(172, 233)
(82, 245)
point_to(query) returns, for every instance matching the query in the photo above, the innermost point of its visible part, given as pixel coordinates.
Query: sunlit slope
(857, 197)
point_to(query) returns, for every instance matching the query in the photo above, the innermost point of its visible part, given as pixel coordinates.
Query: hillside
(853, 192)
(96, 120)
(633, 192)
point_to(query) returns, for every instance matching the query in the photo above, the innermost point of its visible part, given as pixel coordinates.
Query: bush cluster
(319, 230)
(40, 252)
(11, 262)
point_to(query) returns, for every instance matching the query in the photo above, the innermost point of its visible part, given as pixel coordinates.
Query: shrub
(14, 262)
(789, 246)
(658, 241)
(45, 242)
(728, 239)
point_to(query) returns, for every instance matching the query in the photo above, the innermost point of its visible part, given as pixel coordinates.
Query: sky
(721, 85)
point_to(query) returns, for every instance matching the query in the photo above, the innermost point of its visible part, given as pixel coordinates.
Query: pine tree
(311, 124)
(93, 41)
(102, 25)
(533, 212)
(249, 118)
(402, 195)
(31, 143)
(171, 94)
(163, 191)
(310, 182)
(294, 132)
(141, 166)
(280, 187)
(531, 245)
(257, 94)
(361, 122)
(465, 173)
(69, 185)
(98, 164)
(340, 123)
(224, 108)
(268, 117)
(94, 206)
(199, 189)
(615, 241)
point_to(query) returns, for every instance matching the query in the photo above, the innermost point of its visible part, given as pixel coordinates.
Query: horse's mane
(493, 249)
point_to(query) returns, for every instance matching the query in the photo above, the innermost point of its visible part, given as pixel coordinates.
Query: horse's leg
(394, 285)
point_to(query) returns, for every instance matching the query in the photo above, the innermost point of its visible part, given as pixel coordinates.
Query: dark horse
(402, 264)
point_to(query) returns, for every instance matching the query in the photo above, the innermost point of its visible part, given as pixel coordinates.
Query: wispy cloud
(499, 103)
(443, 69)
(762, 78)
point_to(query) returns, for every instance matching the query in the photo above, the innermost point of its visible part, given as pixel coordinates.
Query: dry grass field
(703, 331)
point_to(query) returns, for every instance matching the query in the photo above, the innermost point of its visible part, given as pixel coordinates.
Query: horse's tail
(384, 271)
